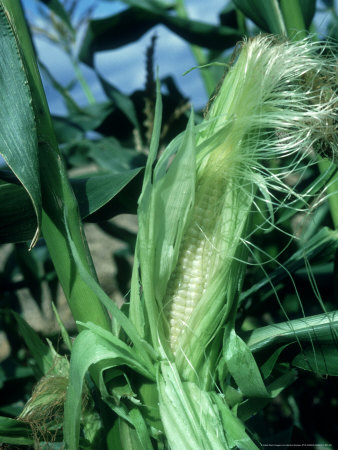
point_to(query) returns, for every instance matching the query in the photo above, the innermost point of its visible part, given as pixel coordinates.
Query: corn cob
(188, 281)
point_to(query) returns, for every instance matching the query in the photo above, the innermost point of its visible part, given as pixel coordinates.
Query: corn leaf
(18, 138)
(18, 218)
(42, 353)
(136, 311)
(95, 192)
(63, 331)
(144, 350)
(110, 155)
(251, 406)
(322, 328)
(98, 196)
(110, 353)
(120, 101)
(57, 8)
(173, 199)
(141, 429)
(267, 15)
(320, 247)
(131, 357)
(237, 356)
(15, 432)
(129, 25)
(58, 200)
(323, 360)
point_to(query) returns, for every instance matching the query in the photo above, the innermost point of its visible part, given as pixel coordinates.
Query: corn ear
(277, 102)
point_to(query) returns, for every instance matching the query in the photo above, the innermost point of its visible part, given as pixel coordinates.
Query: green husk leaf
(190, 417)
(141, 428)
(130, 356)
(235, 429)
(110, 354)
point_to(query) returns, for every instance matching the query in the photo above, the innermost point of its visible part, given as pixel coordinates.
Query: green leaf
(15, 432)
(189, 415)
(94, 192)
(92, 116)
(70, 103)
(30, 270)
(130, 356)
(136, 310)
(321, 246)
(128, 26)
(120, 100)
(67, 131)
(145, 351)
(59, 208)
(234, 427)
(42, 354)
(98, 349)
(268, 366)
(110, 155)
(267, 15)
(64, 332)
(298, 14)
(251, 406)
(57, 7)
(18, 138)
(323, 360)
(18, 218)
(104, 195)
(141, 429)
(238, 355)
(174, 196)
(319, 329)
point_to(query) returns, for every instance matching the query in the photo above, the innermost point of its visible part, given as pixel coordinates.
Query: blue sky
(125, 67)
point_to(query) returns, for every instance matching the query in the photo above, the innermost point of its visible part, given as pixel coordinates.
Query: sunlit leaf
(18, 138)
(319, 329)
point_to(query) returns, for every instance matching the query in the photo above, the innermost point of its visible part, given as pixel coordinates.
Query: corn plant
(179, 366)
